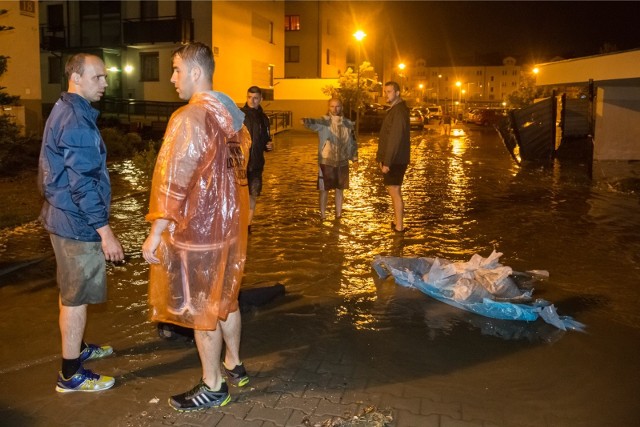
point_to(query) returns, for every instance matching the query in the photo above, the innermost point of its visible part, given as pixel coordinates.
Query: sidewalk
(305, 371)
(340, 342)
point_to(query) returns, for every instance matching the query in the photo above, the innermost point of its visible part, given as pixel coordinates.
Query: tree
(5, 98)
(354, 97)
(526, 94)
(9, 131)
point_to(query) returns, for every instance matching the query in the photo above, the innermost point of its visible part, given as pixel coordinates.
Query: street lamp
(421, 86)
(401, 66)
(459, 84)
(438, 92)
(359, 36)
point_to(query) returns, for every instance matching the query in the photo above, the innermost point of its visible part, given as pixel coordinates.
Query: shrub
(145, 160)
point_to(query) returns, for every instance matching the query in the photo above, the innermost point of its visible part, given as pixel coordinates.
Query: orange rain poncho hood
(199, 184)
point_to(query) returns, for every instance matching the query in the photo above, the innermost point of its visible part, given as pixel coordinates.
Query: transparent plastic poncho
(200, 185)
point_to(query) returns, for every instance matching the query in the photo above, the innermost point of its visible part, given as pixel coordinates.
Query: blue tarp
(482, 286)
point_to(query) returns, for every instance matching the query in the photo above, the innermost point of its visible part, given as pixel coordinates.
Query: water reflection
(463, 194)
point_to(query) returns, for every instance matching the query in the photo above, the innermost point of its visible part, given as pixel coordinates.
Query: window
(148, 9)
(292, 54)
(261, 28)
(292, 23)
(55, 18)
(55, 69)
(149, 67)
(330, 57)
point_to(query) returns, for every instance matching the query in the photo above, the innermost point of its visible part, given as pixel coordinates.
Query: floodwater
(464, 195)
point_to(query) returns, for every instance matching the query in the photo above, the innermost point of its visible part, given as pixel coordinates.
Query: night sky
(480, 31)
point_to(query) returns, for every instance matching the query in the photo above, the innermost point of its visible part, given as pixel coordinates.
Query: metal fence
(136, 115)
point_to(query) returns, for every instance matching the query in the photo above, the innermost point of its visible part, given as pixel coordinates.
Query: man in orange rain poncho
(199, 210)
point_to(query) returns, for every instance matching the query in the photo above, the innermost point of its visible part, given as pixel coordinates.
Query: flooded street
(463, 195)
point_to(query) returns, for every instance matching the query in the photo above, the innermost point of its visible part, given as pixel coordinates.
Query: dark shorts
(81, 271)
(395, 176)
(333, 177)
(255, 182)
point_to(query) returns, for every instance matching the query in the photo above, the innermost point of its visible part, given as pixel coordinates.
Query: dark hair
(75, 64)
(395, 85)
(197, 54)
(255, 89)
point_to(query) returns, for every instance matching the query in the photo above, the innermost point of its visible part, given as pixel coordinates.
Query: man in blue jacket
(74, 181)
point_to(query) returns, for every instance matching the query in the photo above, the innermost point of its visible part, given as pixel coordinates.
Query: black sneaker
(200, 397)
(237, 376)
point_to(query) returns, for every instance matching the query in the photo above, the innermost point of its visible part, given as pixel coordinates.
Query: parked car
(416, 119)
(487, 117)
(372, 117)
(435, 112)
(470, 114)
(425, 113)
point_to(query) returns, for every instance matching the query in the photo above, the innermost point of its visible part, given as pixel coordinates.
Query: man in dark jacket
(257, 123)
(394, 150)
(75, 183)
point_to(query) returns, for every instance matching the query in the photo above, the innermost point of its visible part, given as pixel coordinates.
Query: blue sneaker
(84, 380)
(93, 352)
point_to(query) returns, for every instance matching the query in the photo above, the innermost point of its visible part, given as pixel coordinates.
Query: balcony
(52, 38)
(166, 29)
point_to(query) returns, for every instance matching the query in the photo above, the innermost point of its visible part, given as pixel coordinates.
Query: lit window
(292, 23)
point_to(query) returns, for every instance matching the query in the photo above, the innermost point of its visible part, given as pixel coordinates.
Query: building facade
(463, 85)
(19, 42)
(136, 39)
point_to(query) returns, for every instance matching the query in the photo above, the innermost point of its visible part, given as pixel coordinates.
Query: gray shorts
(81, 271)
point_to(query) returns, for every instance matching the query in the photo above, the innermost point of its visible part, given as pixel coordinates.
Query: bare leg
(398, 205)
(324, 195)
(209, 345)
(252, 207)
(72, 321)
(339, 198)
(231, 329)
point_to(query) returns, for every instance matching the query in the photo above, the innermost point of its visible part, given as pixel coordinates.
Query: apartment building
(135, 39)
(19, 45)
(487, 85)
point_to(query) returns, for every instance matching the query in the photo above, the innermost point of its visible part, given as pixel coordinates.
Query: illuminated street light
(359, 36)
(401, 67)
(459, 84)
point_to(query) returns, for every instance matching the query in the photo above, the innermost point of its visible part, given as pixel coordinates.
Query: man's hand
(152, 242)
(354, 164)
(111, 246)
(384, 168)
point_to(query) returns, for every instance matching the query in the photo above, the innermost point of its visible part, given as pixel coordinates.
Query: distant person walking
(257, 123)
(337, 145)
(74, 180)
(446, 123)
(199, 210)
(394, 151)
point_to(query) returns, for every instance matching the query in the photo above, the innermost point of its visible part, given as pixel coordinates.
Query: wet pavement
(340, 341)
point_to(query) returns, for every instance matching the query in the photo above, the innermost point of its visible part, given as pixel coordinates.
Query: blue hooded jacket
(73, 174)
